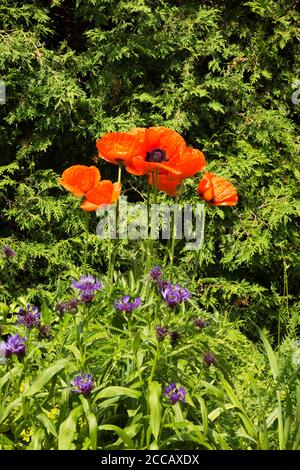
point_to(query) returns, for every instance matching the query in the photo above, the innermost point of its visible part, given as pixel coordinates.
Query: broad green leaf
(37, 439)
(111, 392)
(67, 429)
(93, 430)
(204, 415)
(249, 427)
(216, 413)
(45, 376)
(48, 424)
(271, 355)
(121, 433)
(155, 408)
(5, 410)
(14, 372)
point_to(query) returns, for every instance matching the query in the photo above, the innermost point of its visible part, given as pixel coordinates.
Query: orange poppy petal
(117, 187)
(88, 206)
(79, 179)
(101, 194)
(117, 147)
(133, 171)
(192, 162)
(230, 202)
(75, 191)
(139, 133)
(166, 139)
(205, 188)
(168, 184)
(143, 167)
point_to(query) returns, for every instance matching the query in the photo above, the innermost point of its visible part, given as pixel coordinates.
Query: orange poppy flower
(79, 179)
(217, 191)
(145, 151)
(104, 193)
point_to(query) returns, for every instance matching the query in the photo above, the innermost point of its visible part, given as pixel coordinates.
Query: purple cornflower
(87, 284)
(200, 323)
(175, 394)
(161, 332)
(45, 332)
(15, 344)
(209, 358)
(124, 305)
(29, 317)
(156, 274)
(83, 384)
(173, 295)
(8, 252)
(174, 338)
(69, 306)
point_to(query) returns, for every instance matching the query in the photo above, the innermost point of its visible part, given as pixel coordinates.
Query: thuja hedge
(219, 72)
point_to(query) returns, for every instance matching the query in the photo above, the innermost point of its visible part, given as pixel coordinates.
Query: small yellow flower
(52, 414)
(22, 387)
(26, 435)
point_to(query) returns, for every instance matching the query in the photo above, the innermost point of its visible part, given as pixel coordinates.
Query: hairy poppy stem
(86, 242)
(173, 230)
(155, 193)
(148, 228)
(113, 253)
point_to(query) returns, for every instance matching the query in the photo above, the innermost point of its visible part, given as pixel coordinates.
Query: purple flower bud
(209, 359)
(161, 332)
(8, 252)
(199, 323)
(45, 332)
(156, 274)
(67, 307)
(87, 297)
(174, 338)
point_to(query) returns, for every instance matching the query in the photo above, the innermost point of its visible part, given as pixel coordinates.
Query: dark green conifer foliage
(219, 72)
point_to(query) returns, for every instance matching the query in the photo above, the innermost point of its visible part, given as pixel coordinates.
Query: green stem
(172, 239)
(86, 242)
(154, 200)
(114, 253)
(148, 241)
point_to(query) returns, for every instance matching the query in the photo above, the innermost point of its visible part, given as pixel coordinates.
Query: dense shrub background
(219, 72)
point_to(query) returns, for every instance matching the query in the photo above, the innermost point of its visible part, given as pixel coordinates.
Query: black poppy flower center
(156, 156)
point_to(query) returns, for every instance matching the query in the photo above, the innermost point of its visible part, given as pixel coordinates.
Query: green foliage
(221, 73)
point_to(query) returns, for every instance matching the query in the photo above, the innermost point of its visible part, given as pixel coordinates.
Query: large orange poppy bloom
(217, 191)
(104, 193)
(79, 179)
(156, 149)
